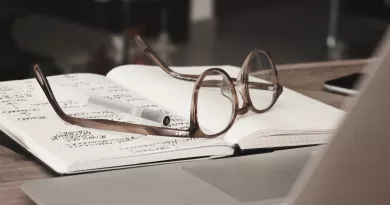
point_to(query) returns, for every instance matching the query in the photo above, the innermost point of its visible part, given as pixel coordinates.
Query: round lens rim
(276, 84)
(194, 126)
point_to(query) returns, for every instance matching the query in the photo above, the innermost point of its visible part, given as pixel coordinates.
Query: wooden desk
(305, 78)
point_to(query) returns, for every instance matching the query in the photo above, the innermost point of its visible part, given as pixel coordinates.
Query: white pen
(137, 111)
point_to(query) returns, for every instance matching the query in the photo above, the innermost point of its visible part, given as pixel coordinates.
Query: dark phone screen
(348, 81)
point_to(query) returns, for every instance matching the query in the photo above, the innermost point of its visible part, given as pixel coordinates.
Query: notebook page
(26, 112)
(292, 113)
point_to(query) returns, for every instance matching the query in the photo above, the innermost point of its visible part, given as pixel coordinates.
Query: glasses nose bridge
(239, 81)
(240, 85)
(242, 107)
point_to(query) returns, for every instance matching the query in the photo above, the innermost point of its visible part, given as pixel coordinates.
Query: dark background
(293, 31)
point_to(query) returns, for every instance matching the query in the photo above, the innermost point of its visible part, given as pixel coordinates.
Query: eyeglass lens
(261, 65)
(214, 104)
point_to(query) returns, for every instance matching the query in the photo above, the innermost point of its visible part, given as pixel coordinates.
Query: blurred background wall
(95, 35)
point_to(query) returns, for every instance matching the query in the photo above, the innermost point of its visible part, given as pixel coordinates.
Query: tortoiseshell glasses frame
(227, 85)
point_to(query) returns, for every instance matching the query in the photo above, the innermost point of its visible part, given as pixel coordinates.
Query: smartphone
(345, 85)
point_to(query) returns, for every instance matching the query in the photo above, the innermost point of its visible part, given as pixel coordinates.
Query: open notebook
(27, 117)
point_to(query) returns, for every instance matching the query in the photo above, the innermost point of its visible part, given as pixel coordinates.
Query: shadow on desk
(10, 144)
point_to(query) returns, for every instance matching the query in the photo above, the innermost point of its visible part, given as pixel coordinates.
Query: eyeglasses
(258, 95)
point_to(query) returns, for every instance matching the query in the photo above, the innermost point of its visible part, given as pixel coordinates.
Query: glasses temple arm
(103, 123)
(252, 85)
(153, 56)
(261, 86)
(156, 59)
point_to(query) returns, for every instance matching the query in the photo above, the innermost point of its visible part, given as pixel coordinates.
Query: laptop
(353, 168)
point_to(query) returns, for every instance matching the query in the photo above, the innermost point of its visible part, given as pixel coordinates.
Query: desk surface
(304, 78)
